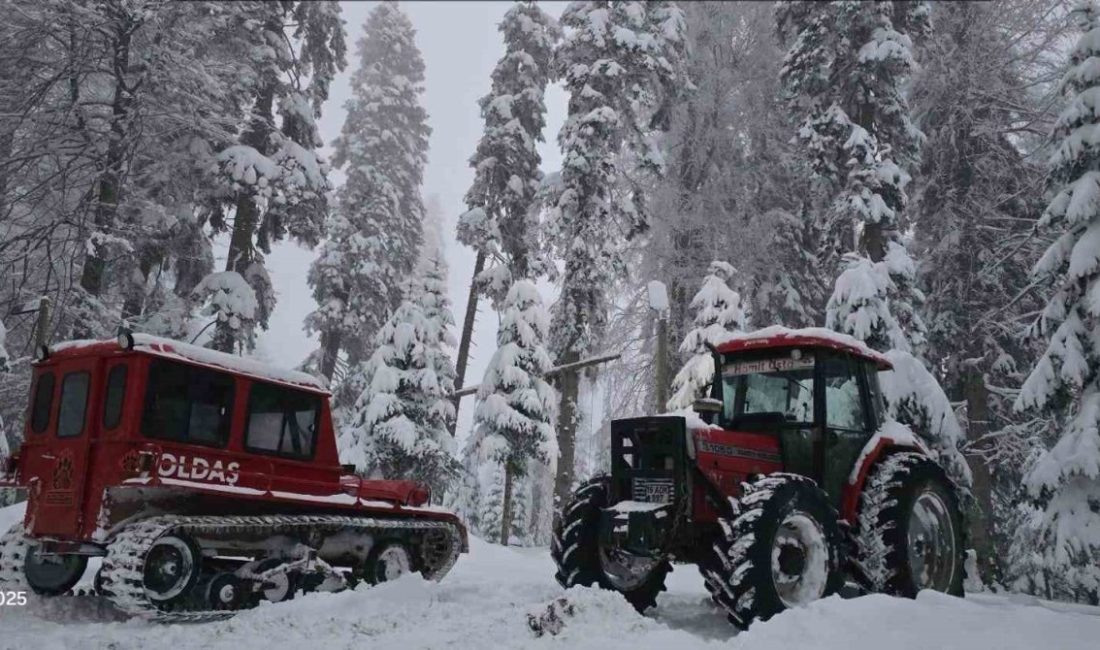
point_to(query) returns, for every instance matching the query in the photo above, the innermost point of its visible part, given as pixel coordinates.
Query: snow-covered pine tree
(519, 530)
(725, 194)
(501, 224)
(121, 169)
(620, 62)
(230, 300)
(513, 421)
(272, 179)
(976, 200)
(860, 305)
(490, 516)
(399, 427)
(844, 73)
(788, 287)
(719, 312)
(1065, 482)
(464, 497)
(375, 233)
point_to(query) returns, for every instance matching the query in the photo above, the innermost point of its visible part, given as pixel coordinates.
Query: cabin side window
(188, 404)
(74, 404)
(282, 421)
(112, 401)
(42, 402)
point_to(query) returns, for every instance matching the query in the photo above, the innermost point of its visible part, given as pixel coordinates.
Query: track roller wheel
(171, 569)
(278, 587)
(226, 592)
(388, 561)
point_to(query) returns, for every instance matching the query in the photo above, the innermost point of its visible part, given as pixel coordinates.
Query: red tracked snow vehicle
(792, 484)
(205, 481)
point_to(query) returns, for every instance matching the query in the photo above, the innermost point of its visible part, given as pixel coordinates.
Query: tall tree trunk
(330, 351)
(874, 241)
(134, 304)
(242, 247)
(467, 334)
(981, 520)
(569, 383)
(506, 507)
(108, 187)
(7, 142)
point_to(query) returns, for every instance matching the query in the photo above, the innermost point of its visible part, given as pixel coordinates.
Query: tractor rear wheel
(583, 559)
(911, 527)
(783, 549)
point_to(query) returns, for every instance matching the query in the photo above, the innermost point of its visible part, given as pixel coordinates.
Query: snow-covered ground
(485, 601)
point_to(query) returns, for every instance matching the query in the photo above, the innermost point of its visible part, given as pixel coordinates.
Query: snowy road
(484, 603)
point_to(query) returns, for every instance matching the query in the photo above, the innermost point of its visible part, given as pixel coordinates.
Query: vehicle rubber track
(123, 568)
(13, 552)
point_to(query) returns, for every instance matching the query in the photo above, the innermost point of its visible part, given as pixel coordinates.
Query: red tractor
(205, 481)
(791, 485)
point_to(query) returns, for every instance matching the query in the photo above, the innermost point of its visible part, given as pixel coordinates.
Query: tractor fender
(886, 441)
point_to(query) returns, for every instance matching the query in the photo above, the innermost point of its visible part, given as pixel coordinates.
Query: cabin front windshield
(768, 390)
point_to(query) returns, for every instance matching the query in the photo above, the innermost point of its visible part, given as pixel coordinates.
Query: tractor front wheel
(911, 527)
(782, 549)
(583, 559)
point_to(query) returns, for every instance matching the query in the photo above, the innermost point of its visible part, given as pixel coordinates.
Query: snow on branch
(227, 297)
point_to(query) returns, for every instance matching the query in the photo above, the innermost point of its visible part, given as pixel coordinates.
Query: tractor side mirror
(708, 408)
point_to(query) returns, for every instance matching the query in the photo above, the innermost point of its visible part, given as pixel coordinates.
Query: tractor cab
(814, 394)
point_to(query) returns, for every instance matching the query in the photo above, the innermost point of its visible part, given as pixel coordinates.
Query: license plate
(654, 490)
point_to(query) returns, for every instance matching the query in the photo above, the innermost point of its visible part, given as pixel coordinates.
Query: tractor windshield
(768, 391)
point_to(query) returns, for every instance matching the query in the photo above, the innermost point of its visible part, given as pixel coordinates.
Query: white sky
(460, 45)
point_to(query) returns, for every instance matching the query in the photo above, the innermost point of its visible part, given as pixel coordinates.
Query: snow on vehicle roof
(778, 336)
(170, 349)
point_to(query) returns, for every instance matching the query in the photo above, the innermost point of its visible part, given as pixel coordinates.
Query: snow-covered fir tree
(719, 312)
(491, 506)
(399, 426)
(513, 420)
(976, 199)
(726, 194)
(620, 63)
(500, 224)
(131, 172)
(1065, 482)
(375, 232)
(272, 180)
(788, 288)
(845, 73)
(860, 305)
(229, 299)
